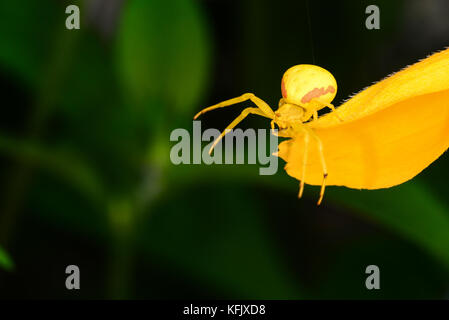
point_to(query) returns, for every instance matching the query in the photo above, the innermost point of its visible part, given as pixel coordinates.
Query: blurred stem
(122, 217)
(125, 217)
(48, 92)
(121, 266)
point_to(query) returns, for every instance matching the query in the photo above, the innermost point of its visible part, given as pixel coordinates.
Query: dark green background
(86, 177)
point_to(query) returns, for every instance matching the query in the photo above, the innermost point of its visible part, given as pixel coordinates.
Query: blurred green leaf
(96, 123)
(62, 205)
(27, 29)
(410, 210)
(63, 163)
(163, 52)
(5, 261)
(406, 272)
(217, 235)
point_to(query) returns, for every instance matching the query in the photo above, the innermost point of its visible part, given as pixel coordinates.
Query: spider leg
(307, 132)
(304, 160)
(323, 164)
(247, 96)
(273, 128)
(236, 121)
(334, 111)
(282, 132)
(307, 115)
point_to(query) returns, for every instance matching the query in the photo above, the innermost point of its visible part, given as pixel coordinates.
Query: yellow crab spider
(306, 89)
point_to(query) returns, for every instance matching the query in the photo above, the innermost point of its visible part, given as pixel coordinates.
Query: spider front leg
(262, 105)
(236, 121)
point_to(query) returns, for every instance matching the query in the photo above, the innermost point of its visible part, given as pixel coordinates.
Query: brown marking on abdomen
(315, 93)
